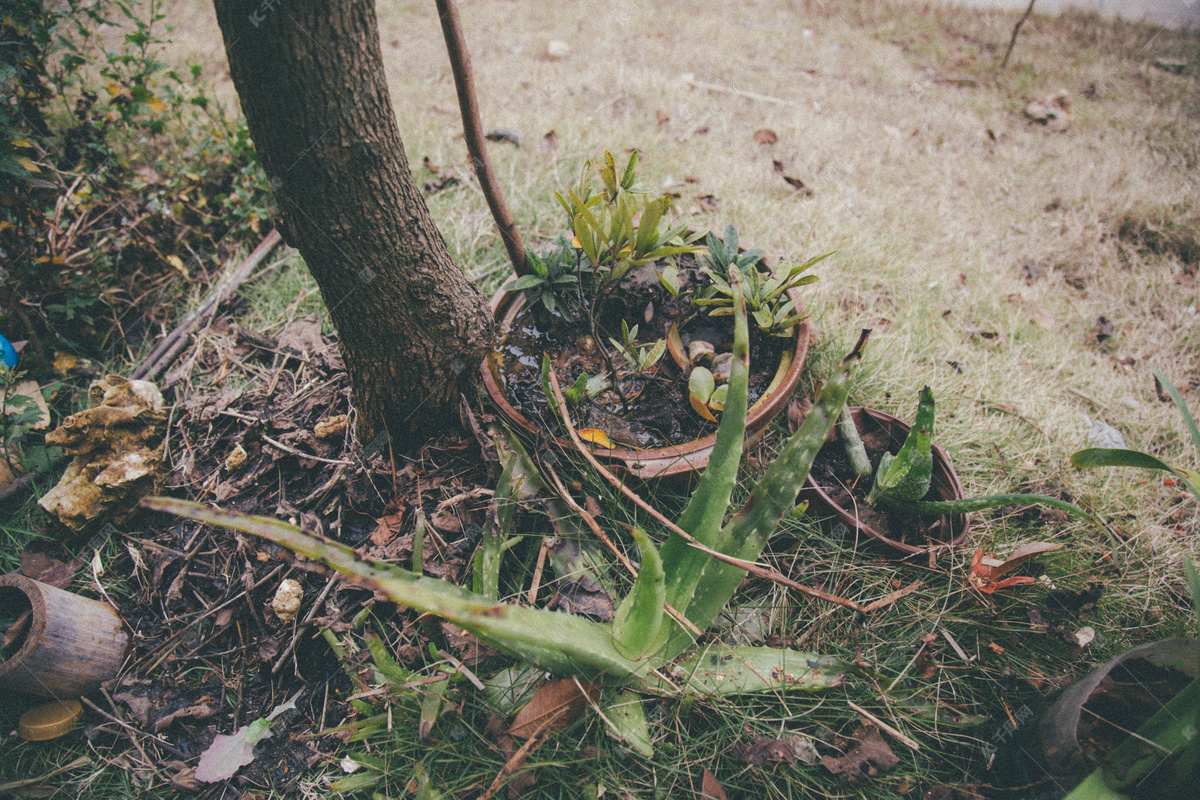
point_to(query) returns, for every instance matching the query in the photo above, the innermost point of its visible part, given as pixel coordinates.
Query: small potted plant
(889, 481)
(632, 315)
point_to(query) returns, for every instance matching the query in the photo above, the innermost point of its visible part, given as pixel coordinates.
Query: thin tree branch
(464, 84)
(1016, 29)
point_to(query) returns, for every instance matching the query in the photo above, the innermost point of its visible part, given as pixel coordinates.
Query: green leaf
(626, 719)
(686, 567)
(701, 384)
(554, 641)
(908, 476)
(628, 178)
(1117, 457)
(722, 671)
(1177, 398)
(638, 620)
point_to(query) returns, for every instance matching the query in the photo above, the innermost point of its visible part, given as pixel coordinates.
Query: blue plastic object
(7, 354)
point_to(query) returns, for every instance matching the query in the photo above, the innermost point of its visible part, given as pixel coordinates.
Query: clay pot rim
(691, 456)
(941, 464)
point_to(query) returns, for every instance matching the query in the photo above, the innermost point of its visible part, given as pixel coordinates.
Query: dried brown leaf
(765, 136)
(555, 705)
(710, 787)
(868, 758)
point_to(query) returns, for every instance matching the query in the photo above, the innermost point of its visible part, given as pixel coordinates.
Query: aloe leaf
(554, 641)
(745, 535)
(385, 665)
(626, 719)
(684, 565)
(638, 620)
(1177, 398)
(490, 551)
(1117, 457)
(972, 504)
(908, 476)
(856, 451)
(431, 707)
(723, 671)
(510, 688)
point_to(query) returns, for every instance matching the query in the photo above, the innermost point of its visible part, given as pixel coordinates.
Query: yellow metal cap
(50, 721)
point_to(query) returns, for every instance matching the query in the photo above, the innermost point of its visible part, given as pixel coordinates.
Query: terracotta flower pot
(945, 530)
(662, 461)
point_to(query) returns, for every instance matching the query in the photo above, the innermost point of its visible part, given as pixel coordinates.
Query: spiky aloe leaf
(721, 670)
(1117, 457)
(684, 565)
(626, 719)
(907, 476)
(970, 505)
(745, 535)
(638, 620)
(552, 640)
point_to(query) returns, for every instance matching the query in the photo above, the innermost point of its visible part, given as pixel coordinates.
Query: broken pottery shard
(117, 447)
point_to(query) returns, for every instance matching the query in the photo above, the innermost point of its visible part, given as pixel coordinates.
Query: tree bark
(309, 74)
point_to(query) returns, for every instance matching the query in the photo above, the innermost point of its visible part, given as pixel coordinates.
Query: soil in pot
(658, 413)
(832, 472)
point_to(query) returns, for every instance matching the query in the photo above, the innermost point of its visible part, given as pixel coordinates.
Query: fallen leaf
(550, 144)
(796, 412)
(974, 330)
(987, 571)
(1084, 636)
(227, 754)
(387, 528)
(442, 183)
(763, 750)
(445, 520)
(556, 705)
(47, 569)
(765, 136)
(710, 788)
(201, 711)
(302, 336)
(1104, 329)
(504, 135)
(870, 757)
(596, 437)
(662, 117)
(708, 202)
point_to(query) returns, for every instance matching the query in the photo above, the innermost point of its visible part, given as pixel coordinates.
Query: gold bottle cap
(50, 721)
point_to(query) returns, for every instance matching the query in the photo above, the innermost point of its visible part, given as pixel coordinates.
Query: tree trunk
(309, 74)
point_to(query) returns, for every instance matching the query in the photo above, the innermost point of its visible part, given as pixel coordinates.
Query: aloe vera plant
(640, 647)
(903, 479)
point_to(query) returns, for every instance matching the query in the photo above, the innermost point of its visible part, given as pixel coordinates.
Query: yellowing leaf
(21, 143)
(177, 263)
(113, 89)
(28, 164)
(701, 409)
(65, 362)
(156, 105)
(596, 437)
